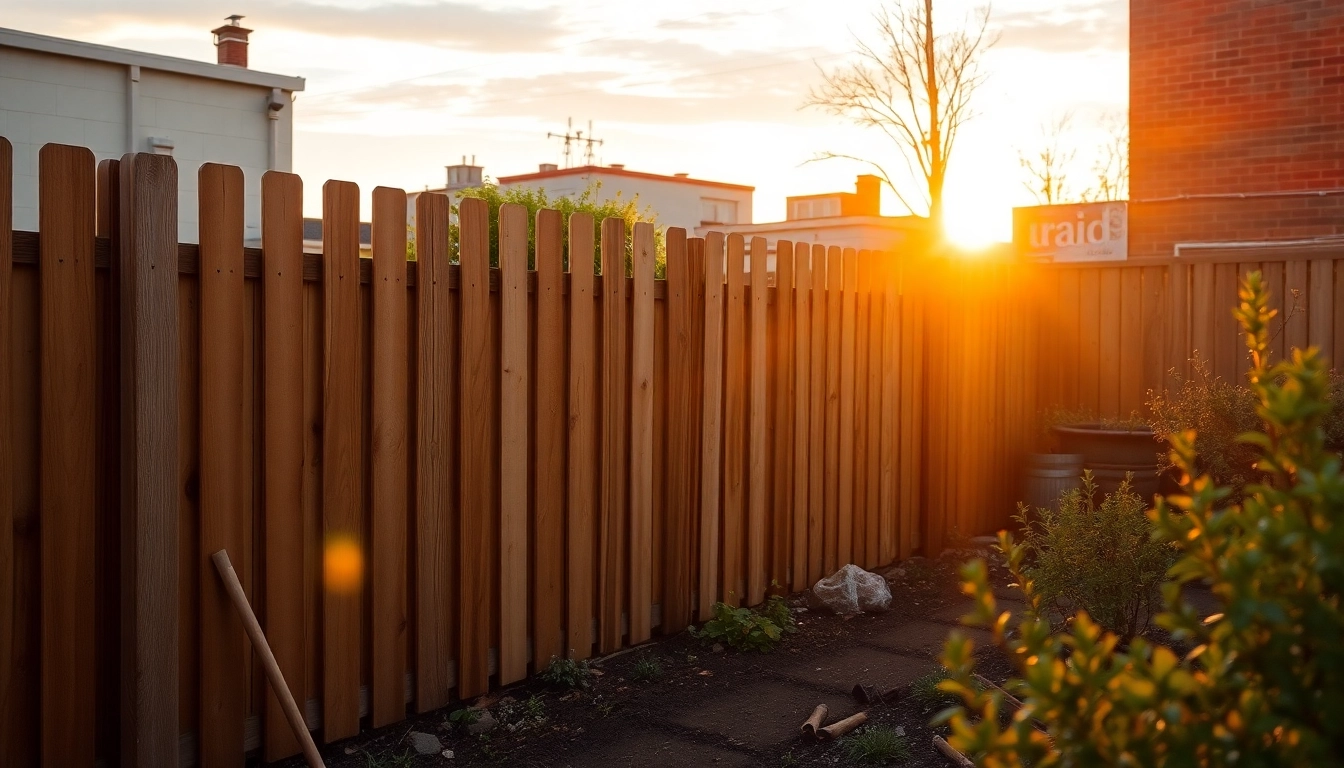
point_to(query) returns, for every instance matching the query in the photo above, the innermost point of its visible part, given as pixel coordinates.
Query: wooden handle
(951, 753)
(836, 730)
(273, 674)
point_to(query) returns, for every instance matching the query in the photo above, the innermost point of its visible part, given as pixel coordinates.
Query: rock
(485, 724)
(447, 754)
(425, 743)
(851, 590)
(717, 648)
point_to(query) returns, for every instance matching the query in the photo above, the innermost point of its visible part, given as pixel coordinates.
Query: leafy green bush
(1221, 411)
(567, 673)
(1100, 559)
(1264, 685)
(590, 202)
(745, 629)
(877, 745)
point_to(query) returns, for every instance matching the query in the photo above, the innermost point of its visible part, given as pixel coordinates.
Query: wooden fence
(431, 475)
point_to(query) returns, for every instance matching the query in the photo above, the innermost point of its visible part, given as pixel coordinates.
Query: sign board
(1079, 232)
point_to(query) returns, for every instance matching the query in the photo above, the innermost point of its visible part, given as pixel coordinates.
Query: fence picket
(287, 586)
(782, 442)
(344, 553)
(681, 446)
(15, 738)
(816, 509)
(802, 443)
(711, 425)
(835, 281)
(224, 522)
(614, 509)
(477, 497)
(581, 529)
(68, 360)
(387, 530)
(548, 605)
(845, 432)
(642, 343)
(513, 472)
(734, 424)
(756, 428)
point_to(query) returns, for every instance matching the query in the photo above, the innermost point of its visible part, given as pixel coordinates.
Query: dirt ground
(714, 708)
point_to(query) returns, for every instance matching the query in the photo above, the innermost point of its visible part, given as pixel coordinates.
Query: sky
(714, 88)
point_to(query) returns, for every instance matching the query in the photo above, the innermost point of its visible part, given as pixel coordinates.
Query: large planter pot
(1112, 453)
(1049, 476)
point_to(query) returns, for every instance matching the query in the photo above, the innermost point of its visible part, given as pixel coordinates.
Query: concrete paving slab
(859, 664)
(649, 748)
(764, 713)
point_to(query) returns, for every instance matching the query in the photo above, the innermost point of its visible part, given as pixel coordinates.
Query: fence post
(149, 460)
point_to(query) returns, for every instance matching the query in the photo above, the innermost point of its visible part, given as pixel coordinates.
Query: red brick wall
(1233, 97)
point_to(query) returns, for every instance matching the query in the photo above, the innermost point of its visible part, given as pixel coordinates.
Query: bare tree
(1047, 168)
(1110, 170)
(913, 86)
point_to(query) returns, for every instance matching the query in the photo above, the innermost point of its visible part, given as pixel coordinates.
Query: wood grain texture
(869, 383)
(711, 426)
(1108, 355)
(342, 463)
(614, 508)
(389, 460)
(476, 496)
(17, 736)
(757, 456)
(581, 522)
(734, 424)
(641, 435)
(288, 573)
(1296, 290)
(782, 338)
(224, 479)
(845, 433)
(1130, 353)
(514, 475)
(816, 511)
(1320, 307)
(901, 417)
(682, 449)
(67, 343)
(1177, 331)
(436, 508)
(149, 460)
(548, 517)
(835, 278)
(802, 402)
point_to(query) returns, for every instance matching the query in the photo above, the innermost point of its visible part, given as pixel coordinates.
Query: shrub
(877, 745)
(1221, 411)
(567, 673)
(1100, 559)
(590, 202)
(647, 670)
(1264, 685)
(745, 629)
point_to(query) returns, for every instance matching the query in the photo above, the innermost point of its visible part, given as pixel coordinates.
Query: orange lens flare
(342, 565)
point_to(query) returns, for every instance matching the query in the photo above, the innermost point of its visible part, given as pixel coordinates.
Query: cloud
(456, 24)
(1100, 25)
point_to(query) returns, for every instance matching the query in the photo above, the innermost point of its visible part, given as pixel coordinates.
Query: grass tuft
(877, 745)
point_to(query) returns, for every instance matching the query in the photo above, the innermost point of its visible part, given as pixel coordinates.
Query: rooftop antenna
(571, 137)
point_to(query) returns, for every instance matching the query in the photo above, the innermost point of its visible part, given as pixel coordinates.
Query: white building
(115, 101)
(845, 219)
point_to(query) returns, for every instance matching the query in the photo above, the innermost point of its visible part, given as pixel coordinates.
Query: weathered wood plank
(68, 366)
(734, 424)
(802, 443)
(614, 509)
(682, 449)
(816, 513)
(641, 435)
(514, 476)
(224, 522)
(477, 497)
(782, 554)
(149, 306)
(583, 435)
(835, 280)
(711, 427)
(757, 456)
(548, 596)
(287, 586)
(845, 433)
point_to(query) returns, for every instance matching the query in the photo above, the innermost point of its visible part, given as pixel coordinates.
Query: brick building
(1236, 122)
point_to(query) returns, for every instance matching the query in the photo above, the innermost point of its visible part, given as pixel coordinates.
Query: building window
(814, 208)
(718, 211)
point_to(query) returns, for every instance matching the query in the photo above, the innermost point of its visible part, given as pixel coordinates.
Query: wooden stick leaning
(812, 724)
(950, 752)
(273, 674)
(1009, 698)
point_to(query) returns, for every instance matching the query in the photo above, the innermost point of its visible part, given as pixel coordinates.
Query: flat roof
(60, 46)
(585, 170)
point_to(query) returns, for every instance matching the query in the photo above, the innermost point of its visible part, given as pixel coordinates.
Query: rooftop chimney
(231, 43)
(618, 166)
(868, 194)
(547, 167)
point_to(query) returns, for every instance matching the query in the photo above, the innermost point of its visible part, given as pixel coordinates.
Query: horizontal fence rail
(433, 476)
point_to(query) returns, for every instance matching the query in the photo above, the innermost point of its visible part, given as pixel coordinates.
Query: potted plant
(1112, 449)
